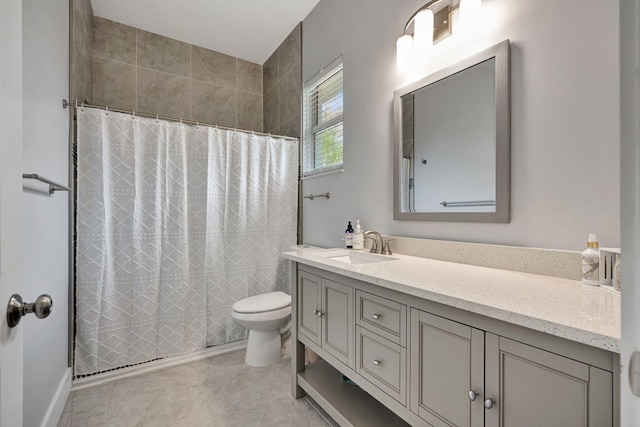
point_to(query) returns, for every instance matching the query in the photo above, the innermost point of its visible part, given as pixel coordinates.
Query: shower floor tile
(220, 392)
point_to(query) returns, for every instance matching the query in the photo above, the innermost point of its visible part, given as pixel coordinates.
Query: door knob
(16, 308)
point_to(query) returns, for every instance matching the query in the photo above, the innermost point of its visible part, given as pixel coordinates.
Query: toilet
(266, 316)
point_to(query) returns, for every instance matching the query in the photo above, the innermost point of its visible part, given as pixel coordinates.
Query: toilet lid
(263, 302)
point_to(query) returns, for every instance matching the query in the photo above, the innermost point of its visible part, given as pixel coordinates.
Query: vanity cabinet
(463, 376)
(447, 364)
(381, 354)
(325, 309)
(420, 363)
(533, 387)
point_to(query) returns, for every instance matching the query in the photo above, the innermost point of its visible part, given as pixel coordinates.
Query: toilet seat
(271, 301)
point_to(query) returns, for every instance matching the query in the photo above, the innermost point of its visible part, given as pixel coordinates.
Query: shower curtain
(175, 223)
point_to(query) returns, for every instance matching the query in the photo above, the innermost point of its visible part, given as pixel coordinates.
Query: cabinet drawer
(383, 363)
(384, 317)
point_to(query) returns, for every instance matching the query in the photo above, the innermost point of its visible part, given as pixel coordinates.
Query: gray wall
(138, 70)
(283, 86)
(47, 378)
(565, 119)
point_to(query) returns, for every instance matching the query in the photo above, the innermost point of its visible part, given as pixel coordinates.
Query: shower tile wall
(282, 76)
(82, 42)
(137, 70)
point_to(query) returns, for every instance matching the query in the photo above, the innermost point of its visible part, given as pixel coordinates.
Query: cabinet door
(447, 361)
(309, 306)
(338, 323)
(538, 388)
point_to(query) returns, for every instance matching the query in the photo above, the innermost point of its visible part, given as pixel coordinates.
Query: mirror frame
(501, 53)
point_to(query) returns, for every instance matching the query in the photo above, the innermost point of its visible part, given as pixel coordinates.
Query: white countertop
(561, 307)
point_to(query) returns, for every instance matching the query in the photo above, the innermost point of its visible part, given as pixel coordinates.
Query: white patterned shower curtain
(175, 223)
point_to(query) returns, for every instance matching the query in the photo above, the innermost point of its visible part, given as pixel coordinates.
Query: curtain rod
(77, 105)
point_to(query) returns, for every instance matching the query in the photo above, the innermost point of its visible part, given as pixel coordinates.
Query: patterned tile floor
(219, 391)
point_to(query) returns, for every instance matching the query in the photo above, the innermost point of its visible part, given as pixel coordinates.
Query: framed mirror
(452, 148)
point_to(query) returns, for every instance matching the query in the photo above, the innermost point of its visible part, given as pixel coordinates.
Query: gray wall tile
(82, 51)
(289, 52)
(112, 40)
(114, 84)
(282, 83)
(270, 110)
(249, 76)
(83, 6)
(292, 127)
(213, 67)
(289, 93)
(172, 78)
(270, 72)
(213, 104)
(249, 111)
(162, 93)
(163, 54)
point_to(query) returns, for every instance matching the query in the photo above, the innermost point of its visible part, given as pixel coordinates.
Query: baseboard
(56, 407)
(145, 368)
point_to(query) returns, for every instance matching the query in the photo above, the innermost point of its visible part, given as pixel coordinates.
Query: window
(323, 110)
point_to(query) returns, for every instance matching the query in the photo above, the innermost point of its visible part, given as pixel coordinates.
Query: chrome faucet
(384, 246)
(376, 236)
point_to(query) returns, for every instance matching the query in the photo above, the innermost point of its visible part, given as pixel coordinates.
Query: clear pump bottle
(358, 237)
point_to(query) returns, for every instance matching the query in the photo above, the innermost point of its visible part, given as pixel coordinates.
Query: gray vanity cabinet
(447, 364)
(325, 311)
(420, 363)
(463, 376)
(532, 387)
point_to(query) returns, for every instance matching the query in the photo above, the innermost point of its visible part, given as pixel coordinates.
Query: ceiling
(247, 29)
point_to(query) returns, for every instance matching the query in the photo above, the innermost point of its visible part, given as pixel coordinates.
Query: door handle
(16, 308)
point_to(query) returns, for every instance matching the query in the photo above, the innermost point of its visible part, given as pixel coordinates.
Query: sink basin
(356, 258)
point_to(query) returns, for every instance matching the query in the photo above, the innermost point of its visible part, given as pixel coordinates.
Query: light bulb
(404, 52)
(423, 30)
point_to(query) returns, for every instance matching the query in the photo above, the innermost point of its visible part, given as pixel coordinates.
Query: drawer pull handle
(376, 316)
(489, 403)
(377, 362)
(473, 394)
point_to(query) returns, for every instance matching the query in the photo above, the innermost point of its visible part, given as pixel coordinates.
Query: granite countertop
(561, 307)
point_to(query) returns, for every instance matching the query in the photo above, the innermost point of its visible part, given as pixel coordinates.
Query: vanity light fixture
(430, 24)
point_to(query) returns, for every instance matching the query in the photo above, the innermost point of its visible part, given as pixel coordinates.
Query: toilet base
(263, 348)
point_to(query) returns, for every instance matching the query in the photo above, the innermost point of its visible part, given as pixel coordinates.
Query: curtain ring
(133, 114)
(107, 109)
(158, 118)
(197, 123)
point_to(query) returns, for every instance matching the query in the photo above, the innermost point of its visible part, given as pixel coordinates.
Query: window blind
(323, 120)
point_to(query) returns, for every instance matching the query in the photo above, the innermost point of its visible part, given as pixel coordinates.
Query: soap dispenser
(348, 236)
(591, 262)
(358, 237)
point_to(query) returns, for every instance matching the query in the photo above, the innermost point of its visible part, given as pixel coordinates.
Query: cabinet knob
(377, 362)
(473, 394)
(320, 314)
(376, 316)
(315, 311)
(489, 403)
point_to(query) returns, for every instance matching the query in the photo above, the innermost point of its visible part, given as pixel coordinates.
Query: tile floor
(219, 391)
